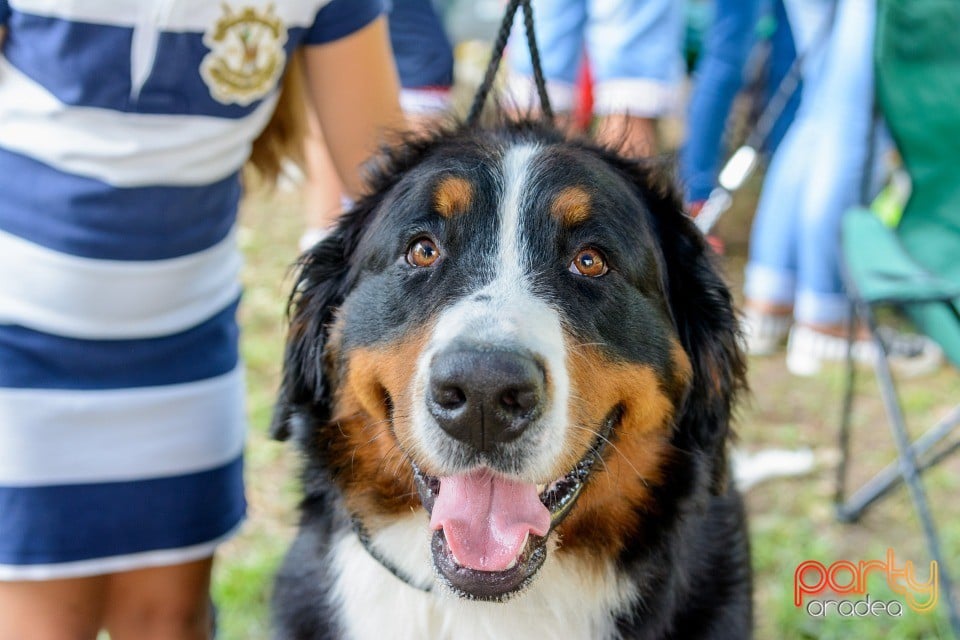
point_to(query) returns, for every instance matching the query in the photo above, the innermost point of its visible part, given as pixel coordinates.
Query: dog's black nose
(485, 397)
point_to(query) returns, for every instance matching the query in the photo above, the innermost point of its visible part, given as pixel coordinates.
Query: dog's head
(521, 335)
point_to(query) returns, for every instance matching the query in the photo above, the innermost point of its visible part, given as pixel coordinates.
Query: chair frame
(912, 457)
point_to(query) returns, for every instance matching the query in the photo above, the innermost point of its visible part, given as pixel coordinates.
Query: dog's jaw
(572, 598)
(520, 565)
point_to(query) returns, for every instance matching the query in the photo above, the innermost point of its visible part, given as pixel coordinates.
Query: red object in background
(583, 102)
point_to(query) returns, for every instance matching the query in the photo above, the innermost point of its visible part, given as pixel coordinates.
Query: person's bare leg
(69, 609)
(630, 135)
(323, 190)
(769, 308)
(164, 603)
(840, 330)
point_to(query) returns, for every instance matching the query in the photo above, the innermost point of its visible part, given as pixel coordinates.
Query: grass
(270, 224)
(791, 520)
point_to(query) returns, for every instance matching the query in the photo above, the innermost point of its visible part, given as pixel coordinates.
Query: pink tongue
(486, 518)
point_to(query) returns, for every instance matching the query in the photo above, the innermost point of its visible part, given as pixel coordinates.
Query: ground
(791, 520)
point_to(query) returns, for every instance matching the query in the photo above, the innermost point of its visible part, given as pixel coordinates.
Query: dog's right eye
(423, 252)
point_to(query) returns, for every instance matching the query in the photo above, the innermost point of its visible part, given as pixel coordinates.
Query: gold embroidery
(246, 54)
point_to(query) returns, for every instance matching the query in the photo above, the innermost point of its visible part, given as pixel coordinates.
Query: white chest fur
(568, 600)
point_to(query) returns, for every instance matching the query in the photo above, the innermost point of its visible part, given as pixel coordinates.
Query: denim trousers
(633, 47)
(817, 172)
(717, 80)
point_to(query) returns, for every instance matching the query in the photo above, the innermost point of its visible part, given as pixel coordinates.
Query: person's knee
(166, 603)
(161, 618)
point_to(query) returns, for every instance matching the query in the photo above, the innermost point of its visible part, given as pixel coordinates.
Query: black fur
(689, 560)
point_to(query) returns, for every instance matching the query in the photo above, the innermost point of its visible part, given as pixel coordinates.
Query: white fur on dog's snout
(504, 314)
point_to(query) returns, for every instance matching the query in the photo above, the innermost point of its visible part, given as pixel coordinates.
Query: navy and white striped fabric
(121, 388)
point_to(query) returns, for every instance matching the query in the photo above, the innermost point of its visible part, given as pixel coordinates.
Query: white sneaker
(764, 333)
(909, 354)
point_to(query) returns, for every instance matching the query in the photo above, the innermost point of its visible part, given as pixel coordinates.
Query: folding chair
(916, 265)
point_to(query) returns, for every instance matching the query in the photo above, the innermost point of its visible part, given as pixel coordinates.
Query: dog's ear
(323, 281)
(321, 285)
(703, 312)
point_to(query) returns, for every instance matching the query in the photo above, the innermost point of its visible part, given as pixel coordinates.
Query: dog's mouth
(490, 531)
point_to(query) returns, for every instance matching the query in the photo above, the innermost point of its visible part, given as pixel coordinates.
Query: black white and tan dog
(511, 370)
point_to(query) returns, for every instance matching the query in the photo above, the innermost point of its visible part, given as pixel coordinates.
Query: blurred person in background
(793, 286)
(424, 59)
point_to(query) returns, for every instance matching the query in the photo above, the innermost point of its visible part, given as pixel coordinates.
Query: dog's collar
(364, 536)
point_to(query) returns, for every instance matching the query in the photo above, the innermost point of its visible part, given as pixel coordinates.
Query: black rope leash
(496, 55)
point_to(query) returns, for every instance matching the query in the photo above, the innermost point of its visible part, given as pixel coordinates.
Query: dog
(511, 370)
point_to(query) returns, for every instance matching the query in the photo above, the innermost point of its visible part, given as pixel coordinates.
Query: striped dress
(123, 126)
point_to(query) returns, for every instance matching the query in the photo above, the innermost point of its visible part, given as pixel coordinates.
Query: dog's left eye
(423, 252)
(589, 262)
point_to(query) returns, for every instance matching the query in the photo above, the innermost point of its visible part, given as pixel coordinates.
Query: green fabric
(918, 90)
(882, 269)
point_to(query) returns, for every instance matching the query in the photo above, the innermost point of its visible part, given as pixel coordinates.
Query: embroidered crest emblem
(246, 54)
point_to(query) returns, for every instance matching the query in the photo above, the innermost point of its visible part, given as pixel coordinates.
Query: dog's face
(494, 336)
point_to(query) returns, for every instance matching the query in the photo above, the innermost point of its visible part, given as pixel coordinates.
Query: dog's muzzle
(490, 529)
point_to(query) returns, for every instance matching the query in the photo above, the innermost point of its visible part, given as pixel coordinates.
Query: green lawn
(791, 519)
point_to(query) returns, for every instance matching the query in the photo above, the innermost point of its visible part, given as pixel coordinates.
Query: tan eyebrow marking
(571, 206)
(453, 196)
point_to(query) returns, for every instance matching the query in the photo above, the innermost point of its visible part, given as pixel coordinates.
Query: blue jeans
(719, 76)
(817, 172)
(782, 55)
(634, 48)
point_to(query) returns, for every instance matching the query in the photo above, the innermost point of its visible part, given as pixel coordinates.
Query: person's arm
(352, 83)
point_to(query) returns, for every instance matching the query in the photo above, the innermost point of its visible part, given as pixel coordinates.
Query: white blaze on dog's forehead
(505, 313)
(517, 164)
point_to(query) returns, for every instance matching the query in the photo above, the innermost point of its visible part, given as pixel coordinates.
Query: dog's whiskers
(616, 450)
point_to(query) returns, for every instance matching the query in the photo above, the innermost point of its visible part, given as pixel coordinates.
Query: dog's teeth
(541, 487)
(512, 564)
